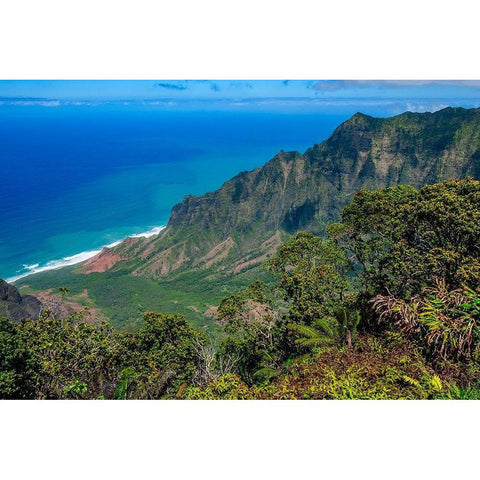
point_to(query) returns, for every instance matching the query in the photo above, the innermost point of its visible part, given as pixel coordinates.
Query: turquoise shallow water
(77, 178)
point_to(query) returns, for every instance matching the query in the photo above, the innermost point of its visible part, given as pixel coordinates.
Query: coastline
(79, 257)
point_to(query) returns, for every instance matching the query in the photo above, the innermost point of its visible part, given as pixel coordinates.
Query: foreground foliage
(374, 369)
(52, 358)
(387, 307)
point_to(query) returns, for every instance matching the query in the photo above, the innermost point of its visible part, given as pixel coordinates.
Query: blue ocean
(77, 178)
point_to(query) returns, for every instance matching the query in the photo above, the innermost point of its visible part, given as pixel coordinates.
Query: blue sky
(185, 89)
(392, 95)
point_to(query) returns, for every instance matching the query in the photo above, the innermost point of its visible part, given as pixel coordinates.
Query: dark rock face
(8, 293)
(15, 307)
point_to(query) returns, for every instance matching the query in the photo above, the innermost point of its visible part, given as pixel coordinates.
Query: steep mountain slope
(237, 226)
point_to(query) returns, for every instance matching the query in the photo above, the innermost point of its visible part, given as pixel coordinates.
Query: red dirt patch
(101, 262)
(64, 307)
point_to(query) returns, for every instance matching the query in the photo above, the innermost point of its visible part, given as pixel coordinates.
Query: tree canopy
(399, 240)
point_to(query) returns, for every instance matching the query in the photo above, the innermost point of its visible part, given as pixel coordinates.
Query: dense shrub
(399, 239)
(373, 369)
(53, 358)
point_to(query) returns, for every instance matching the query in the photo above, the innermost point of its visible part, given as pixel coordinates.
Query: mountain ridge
(250, 214)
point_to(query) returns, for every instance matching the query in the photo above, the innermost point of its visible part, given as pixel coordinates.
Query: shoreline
(79, 257)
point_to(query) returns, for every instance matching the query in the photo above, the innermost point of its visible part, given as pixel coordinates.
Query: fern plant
(348, 320)
(311, 337)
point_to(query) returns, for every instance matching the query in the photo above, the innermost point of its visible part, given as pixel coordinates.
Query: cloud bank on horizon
(395, 95)
(334, 85)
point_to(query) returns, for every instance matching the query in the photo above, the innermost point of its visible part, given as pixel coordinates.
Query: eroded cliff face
(242, 223)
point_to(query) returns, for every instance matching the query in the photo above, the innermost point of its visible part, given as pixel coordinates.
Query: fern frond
(303, 330)
(317, 341)
(325, 326)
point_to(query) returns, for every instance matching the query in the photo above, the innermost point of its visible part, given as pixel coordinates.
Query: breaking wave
(77, 258)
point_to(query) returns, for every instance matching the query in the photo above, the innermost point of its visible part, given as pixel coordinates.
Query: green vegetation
(401, 239)
(373, 369)
(215, 244)
(446, 322)
(422, 343)
(124, 298)
(52, 358)
(386, 307)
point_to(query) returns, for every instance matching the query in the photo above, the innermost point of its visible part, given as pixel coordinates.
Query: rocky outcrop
(15, 307)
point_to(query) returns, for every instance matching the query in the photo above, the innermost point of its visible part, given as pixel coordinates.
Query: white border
(239, 440)
(106, 39)
(216, 39)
